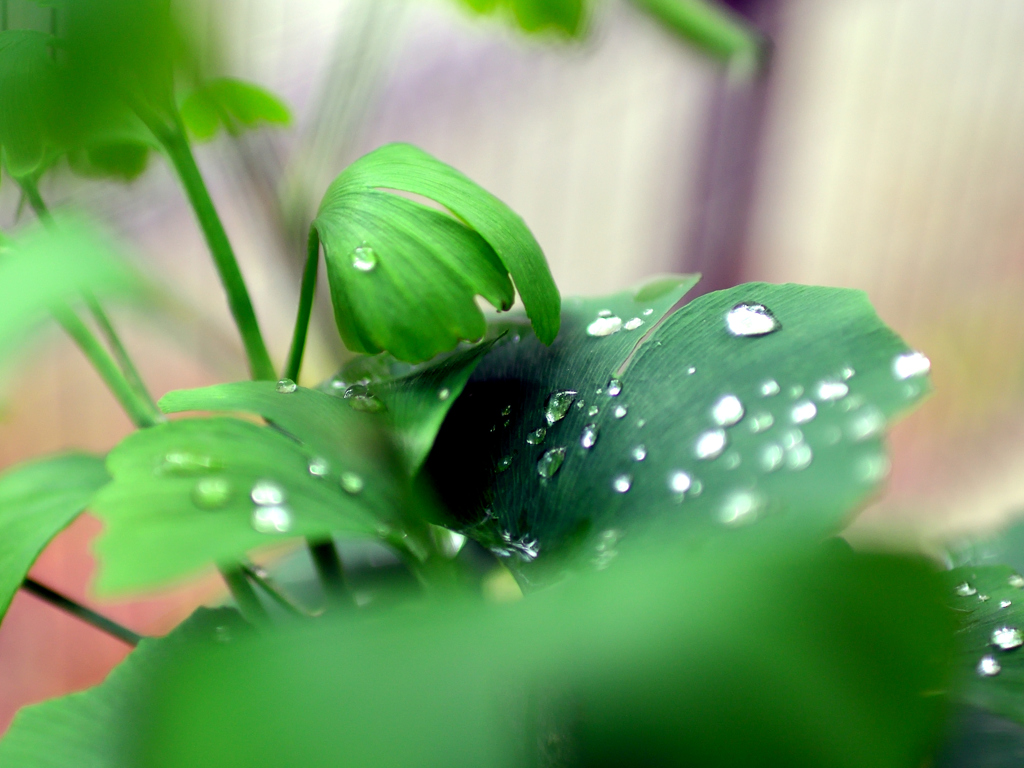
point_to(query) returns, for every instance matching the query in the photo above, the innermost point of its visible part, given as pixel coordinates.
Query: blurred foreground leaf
(28, 99)
(567, 17)
(37, 501)
(710, 26)
(230, 104)
(755, 654)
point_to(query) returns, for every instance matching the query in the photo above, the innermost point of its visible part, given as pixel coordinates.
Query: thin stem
(248, 602)
(330, 569)
(260, 578)
(142, 412)
(306, 293)
(87, 615)
(35, 200)
(131, 373)
(178, 149)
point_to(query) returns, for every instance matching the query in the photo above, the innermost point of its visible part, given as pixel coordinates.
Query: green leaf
(232, 104)
(727, 657)
(566, 17)
(708, 25)
(28, 93)
(87, 729)
(806, 455)
(47, 266)
(37, 501)
(403, 276)
(180, 499)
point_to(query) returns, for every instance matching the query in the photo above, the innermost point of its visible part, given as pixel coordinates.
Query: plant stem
(180, 153)
(329, 568)
(259, 577)
(248, 602)
(131, 373)
(87, 615)
(306, 293)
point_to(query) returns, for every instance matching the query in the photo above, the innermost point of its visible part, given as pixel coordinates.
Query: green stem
(248, 602)
(330, 569)
(306, 293)
(180, 153)
(131, 373)
(35, 200)
(80, 612)
(259, 577)
(142, 412)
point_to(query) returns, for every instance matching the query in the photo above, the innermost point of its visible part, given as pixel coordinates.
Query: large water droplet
(604, 326)
(614, 388)
(360, 398)
(318, 467)
(639, 453)
(271, 519)
(749, 319)
(803, 412)
(604, 313)
(761, 421)
(772, 456)
(727, 410)
(537, 436)
(211, 493)
(364, 258)
(551, 462)
(444, 393)
(267, 493)
(832, 390)
(989, 667)
(710, 444)
(1005, 603)
(770, 388)
(632, 325)
(739, 508)
(620, 411)
(286, 386)
(352, 483)
(910, 364)
(1007, 638)
(679, 481)
(690, 371)
(799, 456)
(588, 436)
(622, 483)
(965, 590)
(1016, 581)
(558, 405)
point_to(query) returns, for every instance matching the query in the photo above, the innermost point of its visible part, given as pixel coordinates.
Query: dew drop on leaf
(622, 483)
(318, 467)
(965, 590)
(364, 258)
(910, 364)
(267, 493)
(731, 460)
(639, 453)
(799, 456)
(604, 313)
(506, 410)
(271, 519)
(727, 410)
(749, 319)
(1016, 581)
(504, 463)
(803, 412)
(648, 312)
(679, 481)
(989, 666)
(187, 463)
(351, 483)
(588, 436)
(550, 462)
(710, 444)
(286, 386)
(739, 508)
(983, 598)
(360, 398)
(1007, 638)
(795, 391)
(558, 405)
(847, 373)
(1005, 603)
(211, 493)
(770, 388)
(632, 325)
(620, 411)
(537, 436)
(832, 390)
(444, 393)
(792, 438)
(593, 411)
(866, 423)
(614, 388)
(604, 326)
(871, 469)
(690, 371)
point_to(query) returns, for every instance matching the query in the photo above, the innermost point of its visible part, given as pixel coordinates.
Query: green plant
(665, 484)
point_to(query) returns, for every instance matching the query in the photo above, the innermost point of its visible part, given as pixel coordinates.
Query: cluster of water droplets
(1004, 638)
(608, 323)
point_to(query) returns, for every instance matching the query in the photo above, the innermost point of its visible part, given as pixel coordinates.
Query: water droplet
(770, 388)
(271, 519)
(352, 483)
(620, 411)
(558, 405)
(506, 410)
(362, 399)
(989, 666)
(537, 436)
(551, 462)
(641, 423)
(803, 412)
(796, 391)
(588, 436)
(871, 469)
(614, 388)
(364, 258)
(444, 393)
(847, 373)
(187, 463)
(318, 467)
(690, 371)
(211, 493)
(1005, 603)
(710, 444)
(604, 313)
(1007, 638)
(799, 456)
(632, 325)
(739, 508)
(504, 463)
(965, 590)
(267, 493)
(639, 453)
(727, 410)
(749, 319)
(581, 404)
(1016, 581)
(648, 312)
(622, 483)
(832, 390)
(983, 598)
(772, 456)
(910, 364)
(761, 421)
(604, 326)
(593, 410)
(286, 386)
(679, 481)
(867, 423)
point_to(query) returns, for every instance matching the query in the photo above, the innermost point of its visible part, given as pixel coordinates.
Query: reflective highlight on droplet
(286, 386)
(588, 436)
(551, 462)
(211, 493)
(679, 481)
(537, 436)
(989, 666)
(639, 453)
(803, 412)
(364, 258)
(620, 411)
(558, 405)
(271, 519)
(748, 319)
(710, 444)
(632, 325)
(622, 483)
(832, 390)
(614, 388)
(727, 410)
(770, 388)
(739, 508)
(351, 483)
(910, 364)
(267, 493)
(318, 467)
(1007, 638)
(604, 326)
(965, 590)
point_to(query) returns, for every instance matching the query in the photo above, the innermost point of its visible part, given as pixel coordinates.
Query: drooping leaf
(751, 654)
(47, 266)
(183, 493)
(28, 99)
(403, 276)
(37, 501)
(708, 25)
(789, 423)
(232, 104)
(88, 729)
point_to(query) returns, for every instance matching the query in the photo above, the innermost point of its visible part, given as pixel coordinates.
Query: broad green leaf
(758, 653)
(88, 729)
(708, 25)
(182, 492)
(28, 99)
(47, 266)
(567, 17)
(37, 501)
(415, 398)
(232, 104)
(403, 276)
(789, 424)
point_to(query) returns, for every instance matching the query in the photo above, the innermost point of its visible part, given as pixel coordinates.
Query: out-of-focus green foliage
(567, 17)
(710, 26)
(230, 104)
(404, 276)
(28, 99)
(37, 501)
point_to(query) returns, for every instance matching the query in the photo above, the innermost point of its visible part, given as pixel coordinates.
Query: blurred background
(881, 149)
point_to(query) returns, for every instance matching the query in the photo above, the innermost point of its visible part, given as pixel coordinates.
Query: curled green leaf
(232, 104)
